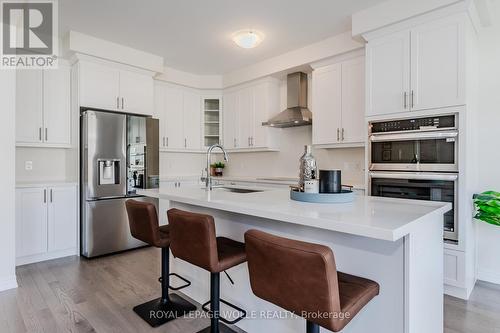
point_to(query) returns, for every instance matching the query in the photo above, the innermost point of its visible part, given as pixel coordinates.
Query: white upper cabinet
(43, 115)
(327, 104)
(417, 69)
(136, 92)
(56, 106)
(230, 120)
(338, 104)
(179, 112)
(353, 101)
(99, 86)
(115, 88)
(437, 65)
(192, 120)
(388, 74)
(29, 106)
(245, 108)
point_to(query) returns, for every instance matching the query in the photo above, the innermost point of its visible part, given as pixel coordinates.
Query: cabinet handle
(44, 196)
(248, 141)
(235, 142)
(163, 141)
(123, 104)
(117, 102)
(46, 134)
(185, 142)
(342, 134)
(40, 134)
(50, 195)
(338, 134)
(405, 97)
(411, 97)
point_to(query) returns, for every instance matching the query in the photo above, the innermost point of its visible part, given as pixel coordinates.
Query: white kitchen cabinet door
(230, 120)
(29, 105)
(174, 106)
(31, 221)
(245, 117)
(437, 64)
(353, 101)
(62, 221)
(265, 105)
(160, 113)
(136, 92)
(388, 74)
(192, 120)
(56, 106)
(327, 104)
(99, 86)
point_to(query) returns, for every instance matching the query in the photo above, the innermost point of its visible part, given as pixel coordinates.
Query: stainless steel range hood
(296, 113)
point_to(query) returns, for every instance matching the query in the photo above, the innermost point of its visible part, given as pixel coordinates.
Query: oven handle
(414, 175)
(413, 136)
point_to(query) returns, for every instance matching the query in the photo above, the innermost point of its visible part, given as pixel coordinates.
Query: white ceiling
(195, 35)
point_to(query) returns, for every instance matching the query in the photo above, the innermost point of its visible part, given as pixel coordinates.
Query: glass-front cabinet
(212, 120)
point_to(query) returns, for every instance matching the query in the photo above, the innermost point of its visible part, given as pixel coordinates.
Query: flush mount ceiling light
(247, 39)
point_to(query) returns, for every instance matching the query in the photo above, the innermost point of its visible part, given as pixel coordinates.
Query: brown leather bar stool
(302, 278)
(143, 221)
(194, 240)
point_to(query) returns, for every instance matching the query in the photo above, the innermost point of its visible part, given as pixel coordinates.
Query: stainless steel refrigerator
(119, 153)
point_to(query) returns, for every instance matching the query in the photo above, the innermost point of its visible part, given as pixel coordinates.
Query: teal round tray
(342, 197)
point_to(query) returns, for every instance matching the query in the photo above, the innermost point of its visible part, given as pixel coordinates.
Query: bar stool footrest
(229, 322)
(187, 282)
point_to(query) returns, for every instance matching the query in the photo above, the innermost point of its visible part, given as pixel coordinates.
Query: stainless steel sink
(239, 189)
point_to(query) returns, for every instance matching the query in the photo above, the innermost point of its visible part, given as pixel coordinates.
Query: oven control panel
(416, 124)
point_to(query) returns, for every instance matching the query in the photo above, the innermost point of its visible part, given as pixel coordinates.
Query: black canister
(330, 181)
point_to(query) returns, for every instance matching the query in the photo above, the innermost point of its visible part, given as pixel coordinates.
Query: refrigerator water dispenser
(109, 172)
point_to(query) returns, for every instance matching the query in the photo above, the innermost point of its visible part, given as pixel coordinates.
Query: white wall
(488, 237)
(49, 164)
(7, 181)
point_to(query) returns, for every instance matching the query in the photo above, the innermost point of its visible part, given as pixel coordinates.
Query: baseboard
(45, 256)
(489, 276)
(458, 292)
(8, 282)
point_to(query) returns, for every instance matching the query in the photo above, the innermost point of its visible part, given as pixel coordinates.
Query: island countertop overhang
(373, 217)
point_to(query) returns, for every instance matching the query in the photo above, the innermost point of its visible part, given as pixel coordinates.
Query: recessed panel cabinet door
(353, 101)
(31, 221)
(327, 104)
(62, 221)
(192, 120)
(136, 93)
(174, 107)
(437, 61)
(160, 113)
(99, 86)
(29, 103)
(266, 105)
(230, 120)
(388, 74)
(56, 106)
(245, 117)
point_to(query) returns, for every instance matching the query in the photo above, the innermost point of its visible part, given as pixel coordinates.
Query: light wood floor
(78, 295)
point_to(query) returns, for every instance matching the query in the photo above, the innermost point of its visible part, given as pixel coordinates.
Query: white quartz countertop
(48, 183)
(373, 217)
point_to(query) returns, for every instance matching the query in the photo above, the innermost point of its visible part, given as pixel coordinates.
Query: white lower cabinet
(46, 223)
(454, 268)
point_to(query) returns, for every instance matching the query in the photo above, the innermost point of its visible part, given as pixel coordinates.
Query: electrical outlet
(28, 165)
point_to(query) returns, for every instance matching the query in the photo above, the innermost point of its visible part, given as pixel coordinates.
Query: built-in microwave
(423, 144)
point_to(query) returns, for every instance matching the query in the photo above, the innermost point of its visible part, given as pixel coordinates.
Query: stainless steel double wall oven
(417, 159)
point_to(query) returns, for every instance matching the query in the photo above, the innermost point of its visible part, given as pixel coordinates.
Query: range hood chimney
(296, 113)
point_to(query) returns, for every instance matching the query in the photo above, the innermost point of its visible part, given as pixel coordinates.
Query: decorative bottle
(308, 168)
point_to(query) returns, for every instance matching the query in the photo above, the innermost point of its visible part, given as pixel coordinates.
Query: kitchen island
(397, 243)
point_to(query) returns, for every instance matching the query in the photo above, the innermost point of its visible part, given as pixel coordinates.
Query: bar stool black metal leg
(216, 326)
(312, 327)
(168, 307)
